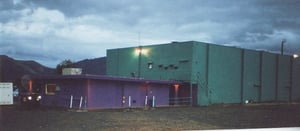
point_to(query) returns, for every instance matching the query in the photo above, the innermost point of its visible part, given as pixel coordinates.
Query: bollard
(153, 102)
(85, 102)
(129, 101)
(71, 101)
(80, 104)
(146, 101)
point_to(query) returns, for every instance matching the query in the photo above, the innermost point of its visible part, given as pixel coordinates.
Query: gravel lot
(171, 118)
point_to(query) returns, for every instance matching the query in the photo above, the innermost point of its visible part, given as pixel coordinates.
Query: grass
(171, 118)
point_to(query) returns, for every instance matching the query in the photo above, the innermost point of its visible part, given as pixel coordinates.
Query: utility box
(72, 71)
(6, 93)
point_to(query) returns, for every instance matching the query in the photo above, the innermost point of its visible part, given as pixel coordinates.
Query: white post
(129, 101)
(153, 101)
(80, 104)
(71, 101)
(146, 101)
(85, 102)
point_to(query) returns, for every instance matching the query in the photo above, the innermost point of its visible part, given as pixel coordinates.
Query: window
(160, 66)
(50, 89)
(133, 74)
(150, 65)
(184, 61)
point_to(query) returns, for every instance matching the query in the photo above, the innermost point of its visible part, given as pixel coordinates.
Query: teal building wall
(251, 76)
(167, 61)
(284, 78)
(268, 76)
(296, 80)
(221, 74)
(224, 74)
(200, 72)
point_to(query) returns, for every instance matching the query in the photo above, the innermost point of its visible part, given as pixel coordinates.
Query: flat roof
(104, 77)
(211, 44)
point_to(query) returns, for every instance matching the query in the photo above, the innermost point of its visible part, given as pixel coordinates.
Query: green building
(220, 74)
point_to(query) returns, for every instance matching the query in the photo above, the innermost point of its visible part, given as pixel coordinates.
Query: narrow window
(183, 61)
(160, 66)
(50, 89)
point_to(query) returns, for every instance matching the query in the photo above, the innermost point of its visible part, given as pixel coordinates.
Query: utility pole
(139, 61)
(282, 45)
(140, 56)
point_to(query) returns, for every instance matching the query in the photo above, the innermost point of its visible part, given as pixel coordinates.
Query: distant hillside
(95, 66)
(12, 70)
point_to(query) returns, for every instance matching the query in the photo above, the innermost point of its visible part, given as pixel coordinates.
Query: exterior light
(138, 51)
(29, 98)
(141, 51)
(295, 56)
(39, 98)
(176, 86)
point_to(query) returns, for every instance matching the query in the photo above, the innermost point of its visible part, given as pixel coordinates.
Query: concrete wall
(174, 65)
(200, 71)
(61, 98)
(111, 94)
(103, 93)
(234, 75)
(296, 80)
(251, 76)
(268, 76)
(222, 74)
(122, 62)
(284, 78)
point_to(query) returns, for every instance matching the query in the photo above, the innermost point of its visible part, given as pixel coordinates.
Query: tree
(64, 64)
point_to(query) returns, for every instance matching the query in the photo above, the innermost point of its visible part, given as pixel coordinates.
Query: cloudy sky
(49, 31)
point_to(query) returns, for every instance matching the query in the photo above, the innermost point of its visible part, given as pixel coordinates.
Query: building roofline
(211, 44)
(107, 78)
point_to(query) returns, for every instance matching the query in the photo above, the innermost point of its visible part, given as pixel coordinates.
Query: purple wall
(66, 88)
(101, 93)
(161, 93)
(106, 94)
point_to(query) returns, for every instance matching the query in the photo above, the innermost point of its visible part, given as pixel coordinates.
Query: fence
(180, 101)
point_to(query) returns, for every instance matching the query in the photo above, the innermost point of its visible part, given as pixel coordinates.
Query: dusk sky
(50, 31)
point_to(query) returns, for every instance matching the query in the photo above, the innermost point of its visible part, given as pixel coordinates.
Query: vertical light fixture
(139, 61)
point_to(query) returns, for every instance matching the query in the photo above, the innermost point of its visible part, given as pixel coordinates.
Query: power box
(72, 71)
(6, 93)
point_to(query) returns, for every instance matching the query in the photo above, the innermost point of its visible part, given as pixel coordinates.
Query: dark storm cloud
(268, 22)
(79, 8)
(6, 4)
(92, 24)
(8, 10)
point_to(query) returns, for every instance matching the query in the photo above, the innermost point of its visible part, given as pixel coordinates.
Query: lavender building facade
(98, 92)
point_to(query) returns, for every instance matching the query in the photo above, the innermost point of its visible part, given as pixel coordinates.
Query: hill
(95, 66)
(11, 69)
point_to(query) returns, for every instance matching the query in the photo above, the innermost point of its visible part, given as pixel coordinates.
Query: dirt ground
(14, 118)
